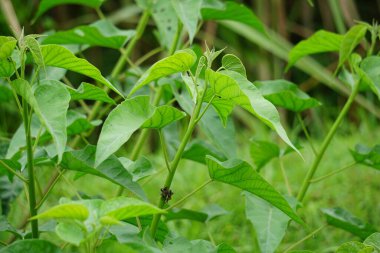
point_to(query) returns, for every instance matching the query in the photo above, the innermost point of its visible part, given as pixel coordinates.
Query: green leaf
(7, 44)
(233, 63)
(371, 66)
(31, 245)
(235, 12)
(35, 50)
(50, 102)
(320, 42)
(122, 208)
(70, 232)
(101, 33)
(240, 174)
(120, 124)
(286, 94)
(340, 218)
(6, 68)
(234, 87)
(367, 156)
(350, 40)
(5, 226)
(180, 61)
(263, 152)
(351, 247)
(185, 214)
(163, 116)
(373, 240)
(5, 164)
(58, 56)
(65, 211)
(269, 222)
(139, 169)
(88, 91)
(189, 12)
(197, 150)
(46, 5)
(166, 21)
(111, 168)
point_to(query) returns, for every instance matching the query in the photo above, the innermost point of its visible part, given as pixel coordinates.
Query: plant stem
(164, 148)
(305, 238)
(283, 171)
(337, 15)
(332, 173)
(326, 142)
(177, 159)
(306, 133)
(189, 195)
(31, 184)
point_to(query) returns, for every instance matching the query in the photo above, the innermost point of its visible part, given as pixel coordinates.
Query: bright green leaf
(88, 91)
(31, 245)
(233, 63)
(343, 219)
(367, 156)
(373, 240)
(262, 152)
(101, 33)
(180, 61)
(58, 56)
(7, 44)
(320, 42)
(120, 124)
(65, 211)
(35, 50)
(70, 232)
(163, 116)
(240, 174)
(351, 247)
(6, 68)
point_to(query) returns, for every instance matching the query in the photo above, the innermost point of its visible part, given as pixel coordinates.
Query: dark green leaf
(6, 165)
(5, 94)
(371, 66)
(32, 245)
(88, 91)
(198, 149)
(367, 156)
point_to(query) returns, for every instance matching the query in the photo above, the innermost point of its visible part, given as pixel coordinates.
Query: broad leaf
(189, 12)
(88, 91)
(367, 156)
(370, 65)
(7, 44)
(101, 33)
(350, 40)
(65, 211)
(235, 12)
(263, 152)
(343, 219)
(233, 63)
(181, 61)
(240, 174)
(50, 102)
(70, 232)
(163, 116)
(111, 168)
(269, 222)
(31, 245)
(286, 94)
(46, 5)
(320, 42)
(123, 208)
(198, 149)
(234, 87)
(139, 169)
(120, 124)
(59, 56)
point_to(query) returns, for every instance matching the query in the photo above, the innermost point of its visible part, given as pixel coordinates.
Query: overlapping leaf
(240, 174)
(262, 152)
(163, 116)
(101, 33)
(88, 91)
(70, 232)
(7, 44)
(65, 211)
(198, 149)
(233, 63)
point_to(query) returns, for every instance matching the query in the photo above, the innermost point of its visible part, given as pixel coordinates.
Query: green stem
(337, 15)
(332, 173)
(189, 195)
(306, 133)
(164, 148)
(326, 142)
(31, 184)
(177, 159)
(305, 238)
(283, 171)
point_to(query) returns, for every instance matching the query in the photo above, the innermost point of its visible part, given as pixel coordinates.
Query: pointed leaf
(367, 156)
(88, 91)
(46, 5)
(123, 208)
(101, 33)
(163, 116)
(340, 218)
(263, 152)
(110, 169)
(7, 44)
(120, 124)
(58, 56)
(70, 232)
(189, 12)
(139, 169)
(31, 245)
(240, 174)
(286, 94)
(235, 12)
(180, 61)
(35, 50)
(233, 63)
(320, 42)
(65, 211)
(50, 102)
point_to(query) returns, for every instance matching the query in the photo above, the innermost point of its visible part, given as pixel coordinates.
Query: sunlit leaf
(7, 44)
(70, 232)
(286, 94)
(88, 91)
(233, 63)
(367, 156)
(58, 56)
(263, 152)
(120, 124)
(320, 42)
(181, 61)
(163, 116)
(343, 219)
(31, 245)
(240, 174)
(35, 50)
(65, 211)
(101, 33)
(6, 68)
